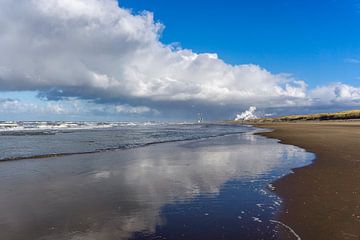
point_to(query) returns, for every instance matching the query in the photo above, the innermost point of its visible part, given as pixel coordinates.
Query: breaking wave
(23, 140)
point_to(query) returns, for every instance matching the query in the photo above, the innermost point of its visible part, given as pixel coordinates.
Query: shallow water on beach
(215, 188)
(20, 140)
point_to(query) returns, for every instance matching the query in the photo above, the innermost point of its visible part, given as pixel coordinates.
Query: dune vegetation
(345, 115)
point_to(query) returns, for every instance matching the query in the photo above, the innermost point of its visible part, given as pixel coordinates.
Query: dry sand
(322, 200)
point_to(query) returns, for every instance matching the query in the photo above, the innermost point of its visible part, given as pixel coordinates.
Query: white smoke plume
(247, 115)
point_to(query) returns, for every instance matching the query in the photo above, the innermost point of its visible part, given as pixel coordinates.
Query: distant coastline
(351, 115)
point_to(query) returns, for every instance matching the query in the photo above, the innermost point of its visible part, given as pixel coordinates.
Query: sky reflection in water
(213, 188)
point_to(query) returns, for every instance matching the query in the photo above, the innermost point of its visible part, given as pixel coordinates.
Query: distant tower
(200, 118)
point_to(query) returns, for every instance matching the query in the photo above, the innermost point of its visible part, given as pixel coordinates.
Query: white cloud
(94, 49)
(133, 110)
(337, 93)
(17, 106)
(70, 107)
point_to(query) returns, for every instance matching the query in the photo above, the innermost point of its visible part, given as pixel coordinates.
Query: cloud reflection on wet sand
(111, 195)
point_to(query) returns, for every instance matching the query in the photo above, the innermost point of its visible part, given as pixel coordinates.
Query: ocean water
(201, 181)
(20, 140)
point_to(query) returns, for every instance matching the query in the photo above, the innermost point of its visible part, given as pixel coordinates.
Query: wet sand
(322, 200)
(212, 188)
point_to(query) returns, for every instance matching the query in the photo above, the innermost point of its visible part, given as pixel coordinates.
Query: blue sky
(313, 40)
(109, 60)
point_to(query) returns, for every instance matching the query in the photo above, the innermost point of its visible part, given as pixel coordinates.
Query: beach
(192, 181)
(207, 188)
(322, 200)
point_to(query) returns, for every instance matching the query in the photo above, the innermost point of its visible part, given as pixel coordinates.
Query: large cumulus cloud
(336, 94)
(94, 49)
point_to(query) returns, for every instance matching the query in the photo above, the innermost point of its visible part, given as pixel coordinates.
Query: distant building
(200, 118)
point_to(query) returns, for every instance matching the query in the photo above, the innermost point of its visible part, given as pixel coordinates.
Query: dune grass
(345, 115)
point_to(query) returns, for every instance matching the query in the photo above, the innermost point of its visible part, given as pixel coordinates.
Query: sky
(169, 60)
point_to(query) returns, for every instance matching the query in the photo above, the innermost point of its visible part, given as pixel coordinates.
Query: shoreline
(321, 200)
(63, 154)
(205, 184)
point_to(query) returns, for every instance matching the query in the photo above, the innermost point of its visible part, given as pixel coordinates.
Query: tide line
(287, 227)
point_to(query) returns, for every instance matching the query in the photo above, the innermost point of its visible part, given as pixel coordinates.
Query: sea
(41, 139)
(142, 180)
